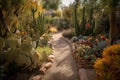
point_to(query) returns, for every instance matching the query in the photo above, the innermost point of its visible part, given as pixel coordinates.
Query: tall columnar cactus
(92, 21)
(83, 21)
(91, 16)
(77, 29)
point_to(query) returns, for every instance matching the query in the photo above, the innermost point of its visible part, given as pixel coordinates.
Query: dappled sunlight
(59, 39)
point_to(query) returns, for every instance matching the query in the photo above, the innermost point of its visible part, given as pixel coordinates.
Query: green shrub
(69, 33)
(108, 67)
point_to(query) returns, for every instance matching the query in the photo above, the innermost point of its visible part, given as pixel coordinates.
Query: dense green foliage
(51, 4)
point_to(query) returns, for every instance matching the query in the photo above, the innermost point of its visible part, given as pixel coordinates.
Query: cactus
(41, 21)
(23, 61)
(33, 11)
(76, 20)
(43, 52)
(83, 18)
(26, 47)
(11, 43)
(92, 22)
(11, 55)
(91, 16)
(82, 29)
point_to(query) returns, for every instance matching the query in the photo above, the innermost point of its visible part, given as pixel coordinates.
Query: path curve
(64, 66)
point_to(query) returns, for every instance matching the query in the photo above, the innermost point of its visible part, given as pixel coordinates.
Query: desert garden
(46, 40)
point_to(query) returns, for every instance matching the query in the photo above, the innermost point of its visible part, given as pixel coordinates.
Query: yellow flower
(99, 64)
(53, 30)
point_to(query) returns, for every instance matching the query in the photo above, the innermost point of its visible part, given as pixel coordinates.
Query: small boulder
(51, 56)
(48, 65)
(50, 60)
(42, 70)
(37, 77)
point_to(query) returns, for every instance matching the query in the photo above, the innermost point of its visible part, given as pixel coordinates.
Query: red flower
(87, 26)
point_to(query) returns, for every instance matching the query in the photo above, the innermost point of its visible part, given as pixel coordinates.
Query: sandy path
(64, 66)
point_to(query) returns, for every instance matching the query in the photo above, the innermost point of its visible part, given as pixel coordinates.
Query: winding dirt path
(64, 66)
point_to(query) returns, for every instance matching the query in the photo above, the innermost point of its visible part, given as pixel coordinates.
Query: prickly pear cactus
(11, 43)
(23, 60)
(35, 58)
(12, 54)
(26, 47)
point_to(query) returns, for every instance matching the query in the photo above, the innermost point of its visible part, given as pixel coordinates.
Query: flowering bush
(108, 67)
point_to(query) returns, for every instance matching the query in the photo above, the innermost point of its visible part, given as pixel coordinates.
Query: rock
(51, 56)
(50, 60)
(91, 74)
(37, 77)
(82, 74)
(34, 44)
(87, 74)
(48, 65)
(42, 70)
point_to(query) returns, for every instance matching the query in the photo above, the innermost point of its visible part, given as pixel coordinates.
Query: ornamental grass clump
(108, 67)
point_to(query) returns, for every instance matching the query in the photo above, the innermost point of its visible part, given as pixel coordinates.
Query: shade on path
(64, 66)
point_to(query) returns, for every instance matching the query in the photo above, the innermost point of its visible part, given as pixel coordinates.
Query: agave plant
(99, 47)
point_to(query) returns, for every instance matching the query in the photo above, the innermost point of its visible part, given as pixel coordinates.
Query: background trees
(51, 4)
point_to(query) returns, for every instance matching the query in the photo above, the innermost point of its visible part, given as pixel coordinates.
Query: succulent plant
(26, 47)
(12, 54)
(11, 43)
(85, 56)
(22, 60)
(99, 48)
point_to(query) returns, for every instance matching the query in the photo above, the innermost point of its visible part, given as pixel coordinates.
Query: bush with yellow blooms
(108, 67)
